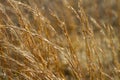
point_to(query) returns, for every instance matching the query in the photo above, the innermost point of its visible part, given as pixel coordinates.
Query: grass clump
(59, 40)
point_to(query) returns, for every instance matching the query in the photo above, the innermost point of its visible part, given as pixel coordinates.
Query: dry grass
(59, 40)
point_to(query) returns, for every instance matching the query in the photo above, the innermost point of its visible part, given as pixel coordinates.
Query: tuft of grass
(59, 40)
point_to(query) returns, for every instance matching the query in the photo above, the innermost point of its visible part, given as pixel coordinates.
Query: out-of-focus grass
(59, 40)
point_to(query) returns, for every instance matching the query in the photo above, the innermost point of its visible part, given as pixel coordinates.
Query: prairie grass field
(59, 39)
